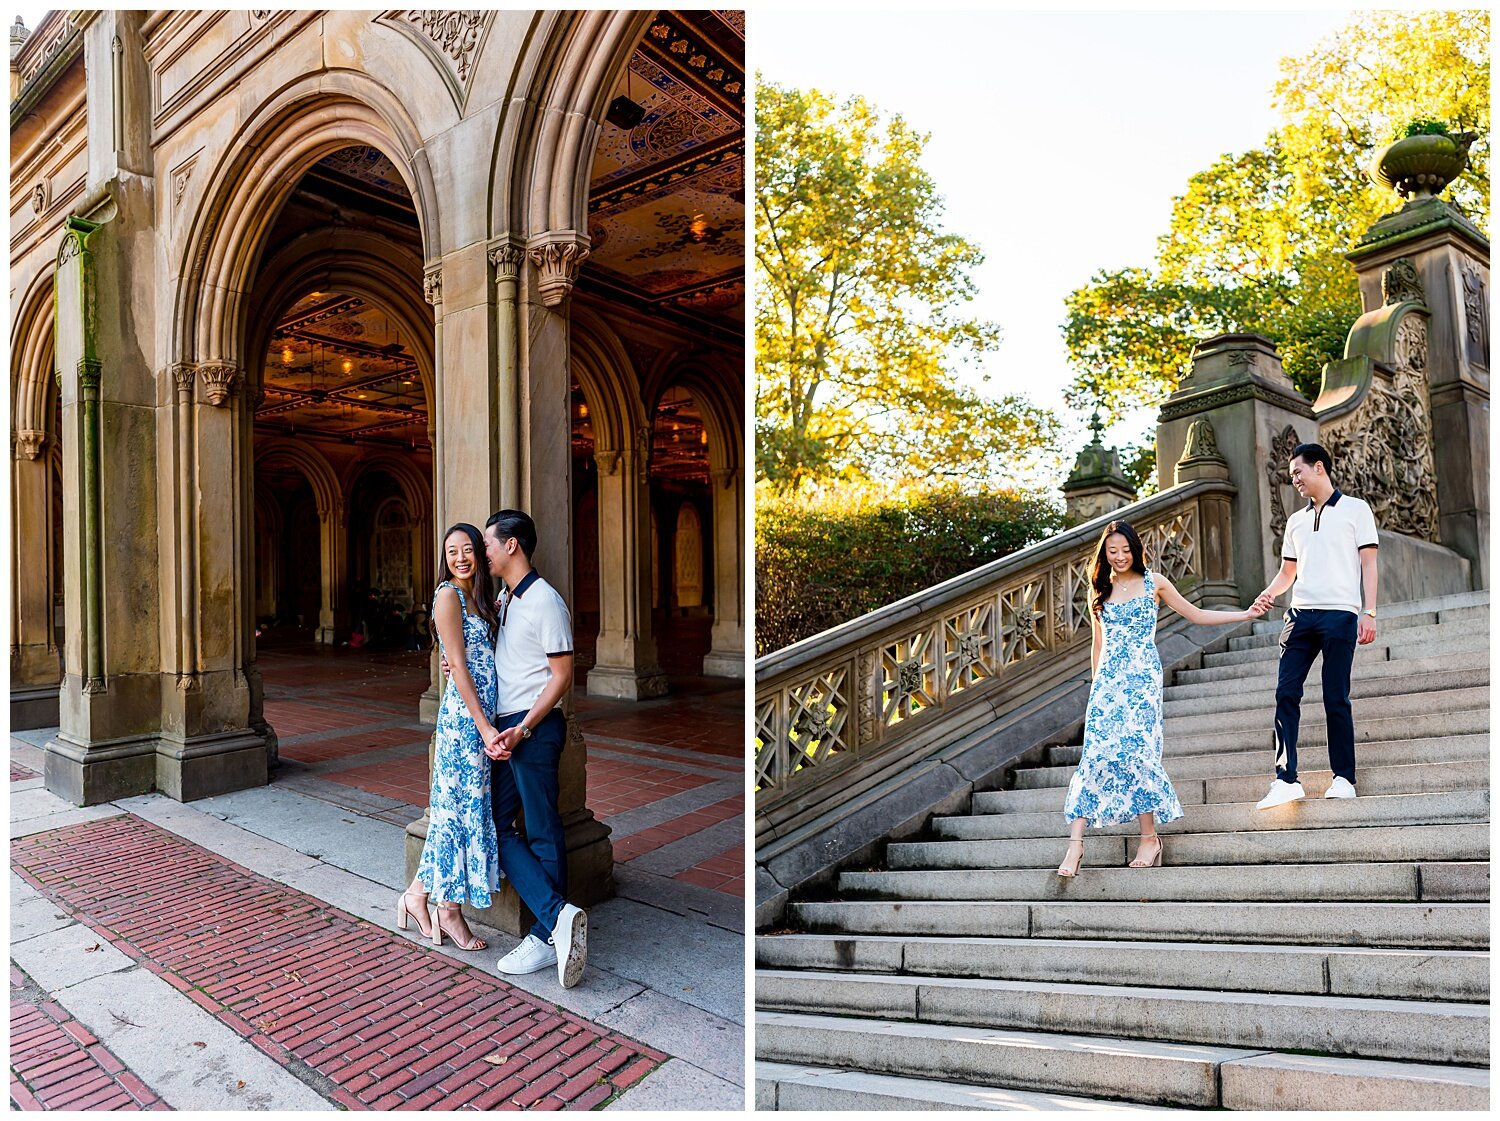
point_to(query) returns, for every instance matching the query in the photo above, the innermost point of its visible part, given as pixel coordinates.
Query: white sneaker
(571, 937)
(1340, 788)
(1280, 794)
(531, 955)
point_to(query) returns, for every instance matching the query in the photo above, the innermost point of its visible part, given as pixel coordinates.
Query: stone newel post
(1257, 417)
(1097, 485)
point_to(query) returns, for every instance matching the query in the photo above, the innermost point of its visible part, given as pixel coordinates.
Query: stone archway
(36, 491)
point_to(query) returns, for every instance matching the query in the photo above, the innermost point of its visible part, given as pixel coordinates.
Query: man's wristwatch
(525, 732)
(1371, 613)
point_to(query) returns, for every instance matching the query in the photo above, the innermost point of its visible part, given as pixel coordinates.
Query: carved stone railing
(867, 688)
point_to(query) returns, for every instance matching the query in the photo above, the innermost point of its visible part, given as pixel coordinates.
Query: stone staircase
(1322, 955)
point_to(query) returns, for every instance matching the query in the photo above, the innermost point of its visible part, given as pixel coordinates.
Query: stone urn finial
(1421, 166)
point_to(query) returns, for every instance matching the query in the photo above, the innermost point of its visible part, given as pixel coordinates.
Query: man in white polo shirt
(534, 670)
(1329, 551)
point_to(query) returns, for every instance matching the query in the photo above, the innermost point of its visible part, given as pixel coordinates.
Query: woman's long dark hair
(484, 583)
(1100, 572)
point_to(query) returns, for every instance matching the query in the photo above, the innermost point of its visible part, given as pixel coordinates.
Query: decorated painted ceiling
(667, 197)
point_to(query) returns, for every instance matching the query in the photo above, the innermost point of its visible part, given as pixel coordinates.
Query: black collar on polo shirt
(525, 582)
(1332, 499)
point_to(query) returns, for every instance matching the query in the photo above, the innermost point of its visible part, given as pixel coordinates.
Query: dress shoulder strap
(462, 603)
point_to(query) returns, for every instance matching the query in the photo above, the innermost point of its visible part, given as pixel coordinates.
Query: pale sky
(1128, 105)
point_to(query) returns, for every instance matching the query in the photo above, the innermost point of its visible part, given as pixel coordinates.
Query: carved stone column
(1429, 252)
(1257, 416)
(34, 670)
(726, 653)
(333, 533)
(625, 663)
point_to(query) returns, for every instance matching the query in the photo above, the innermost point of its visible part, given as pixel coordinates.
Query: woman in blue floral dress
(460, 862)
(1120, 774)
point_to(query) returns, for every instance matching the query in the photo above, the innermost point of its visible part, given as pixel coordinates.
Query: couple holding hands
(1328, 559)
(500, 737)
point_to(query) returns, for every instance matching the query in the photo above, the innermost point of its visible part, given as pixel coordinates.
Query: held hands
(1366, 630)
(1256, 610)
(1265, 601)
(499, 745)
(443, 661)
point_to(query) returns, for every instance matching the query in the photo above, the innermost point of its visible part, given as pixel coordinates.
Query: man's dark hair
(517, 524)
(1314, 453)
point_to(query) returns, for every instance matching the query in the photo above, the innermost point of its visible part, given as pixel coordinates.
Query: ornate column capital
(219, 380)
(432, 286)
(557, 255)
(90, 370)
(608, 460)
(29, 442)
(183, 376)
(506, 259)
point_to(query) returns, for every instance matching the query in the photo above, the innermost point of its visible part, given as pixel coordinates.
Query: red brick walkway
(56, 1063)
(394, 1025)
(19, 773)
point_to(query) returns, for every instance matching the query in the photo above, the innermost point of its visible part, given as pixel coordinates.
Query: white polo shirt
(1326, 544)
(535, 626)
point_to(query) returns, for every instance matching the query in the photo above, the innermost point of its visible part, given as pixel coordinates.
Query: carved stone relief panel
(1476, 316)
(452, 39)
(1382, 451)
(1277, 478)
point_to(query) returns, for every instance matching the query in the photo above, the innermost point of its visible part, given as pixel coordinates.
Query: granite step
(1313, 734)
(1454, 926)
(797, 1086)
(1255, 760)
(1363, 671)
(1391, 974)
(1431, 702)
(1418, 642)
(1354, 814)
(1330, 845)
(1413, 778)
(1259, 663)
(1414, 1031)
(1124, 1069)
(1459, 620)
(1365, 691)
(1413, 882)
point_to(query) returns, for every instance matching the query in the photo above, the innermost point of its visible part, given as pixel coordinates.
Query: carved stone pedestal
(1257, 417)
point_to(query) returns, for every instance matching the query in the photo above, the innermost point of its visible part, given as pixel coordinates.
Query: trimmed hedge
(818, 567)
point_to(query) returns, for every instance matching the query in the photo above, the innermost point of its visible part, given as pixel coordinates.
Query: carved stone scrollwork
(558, 259)
(1201, 441)
(456, 33)
(608, 460)
(219, 380)
(1476, 316)
(1400, 283)
(869, 697)
(1282, 447)
(40, 196)
(29, 443)
(506, 260)
(1382, 451)
(432, 286)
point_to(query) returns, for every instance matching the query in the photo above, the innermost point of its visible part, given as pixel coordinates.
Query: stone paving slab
(387, 1022)
(57, 1063)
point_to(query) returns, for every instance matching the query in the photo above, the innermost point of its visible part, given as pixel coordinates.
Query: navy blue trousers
(536, 861)
(1307, 633)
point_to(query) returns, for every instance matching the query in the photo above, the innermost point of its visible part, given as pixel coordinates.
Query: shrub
(818, 566)
(1425, 126)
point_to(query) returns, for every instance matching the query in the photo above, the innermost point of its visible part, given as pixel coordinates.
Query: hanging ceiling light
(623, 112)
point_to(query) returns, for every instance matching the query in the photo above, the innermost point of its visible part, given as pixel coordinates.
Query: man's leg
(1299, 646)
(536, 862)
(1340, 637)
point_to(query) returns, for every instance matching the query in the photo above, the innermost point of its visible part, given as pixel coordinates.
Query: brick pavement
(19, 773)
(390, 1023)
(56, 1063)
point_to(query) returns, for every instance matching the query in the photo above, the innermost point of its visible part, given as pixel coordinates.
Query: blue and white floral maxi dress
(461, 859)
(1120, 774)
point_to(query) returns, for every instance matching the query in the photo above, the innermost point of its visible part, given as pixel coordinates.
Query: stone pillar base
(724, 663)
(34, 706)
(88, 775)
(327, 636)
(203, 766)
(591, 875)
(428, 705)
(626, 684)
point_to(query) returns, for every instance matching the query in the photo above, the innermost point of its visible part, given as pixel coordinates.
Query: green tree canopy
(1256, 241)
(860, 314)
